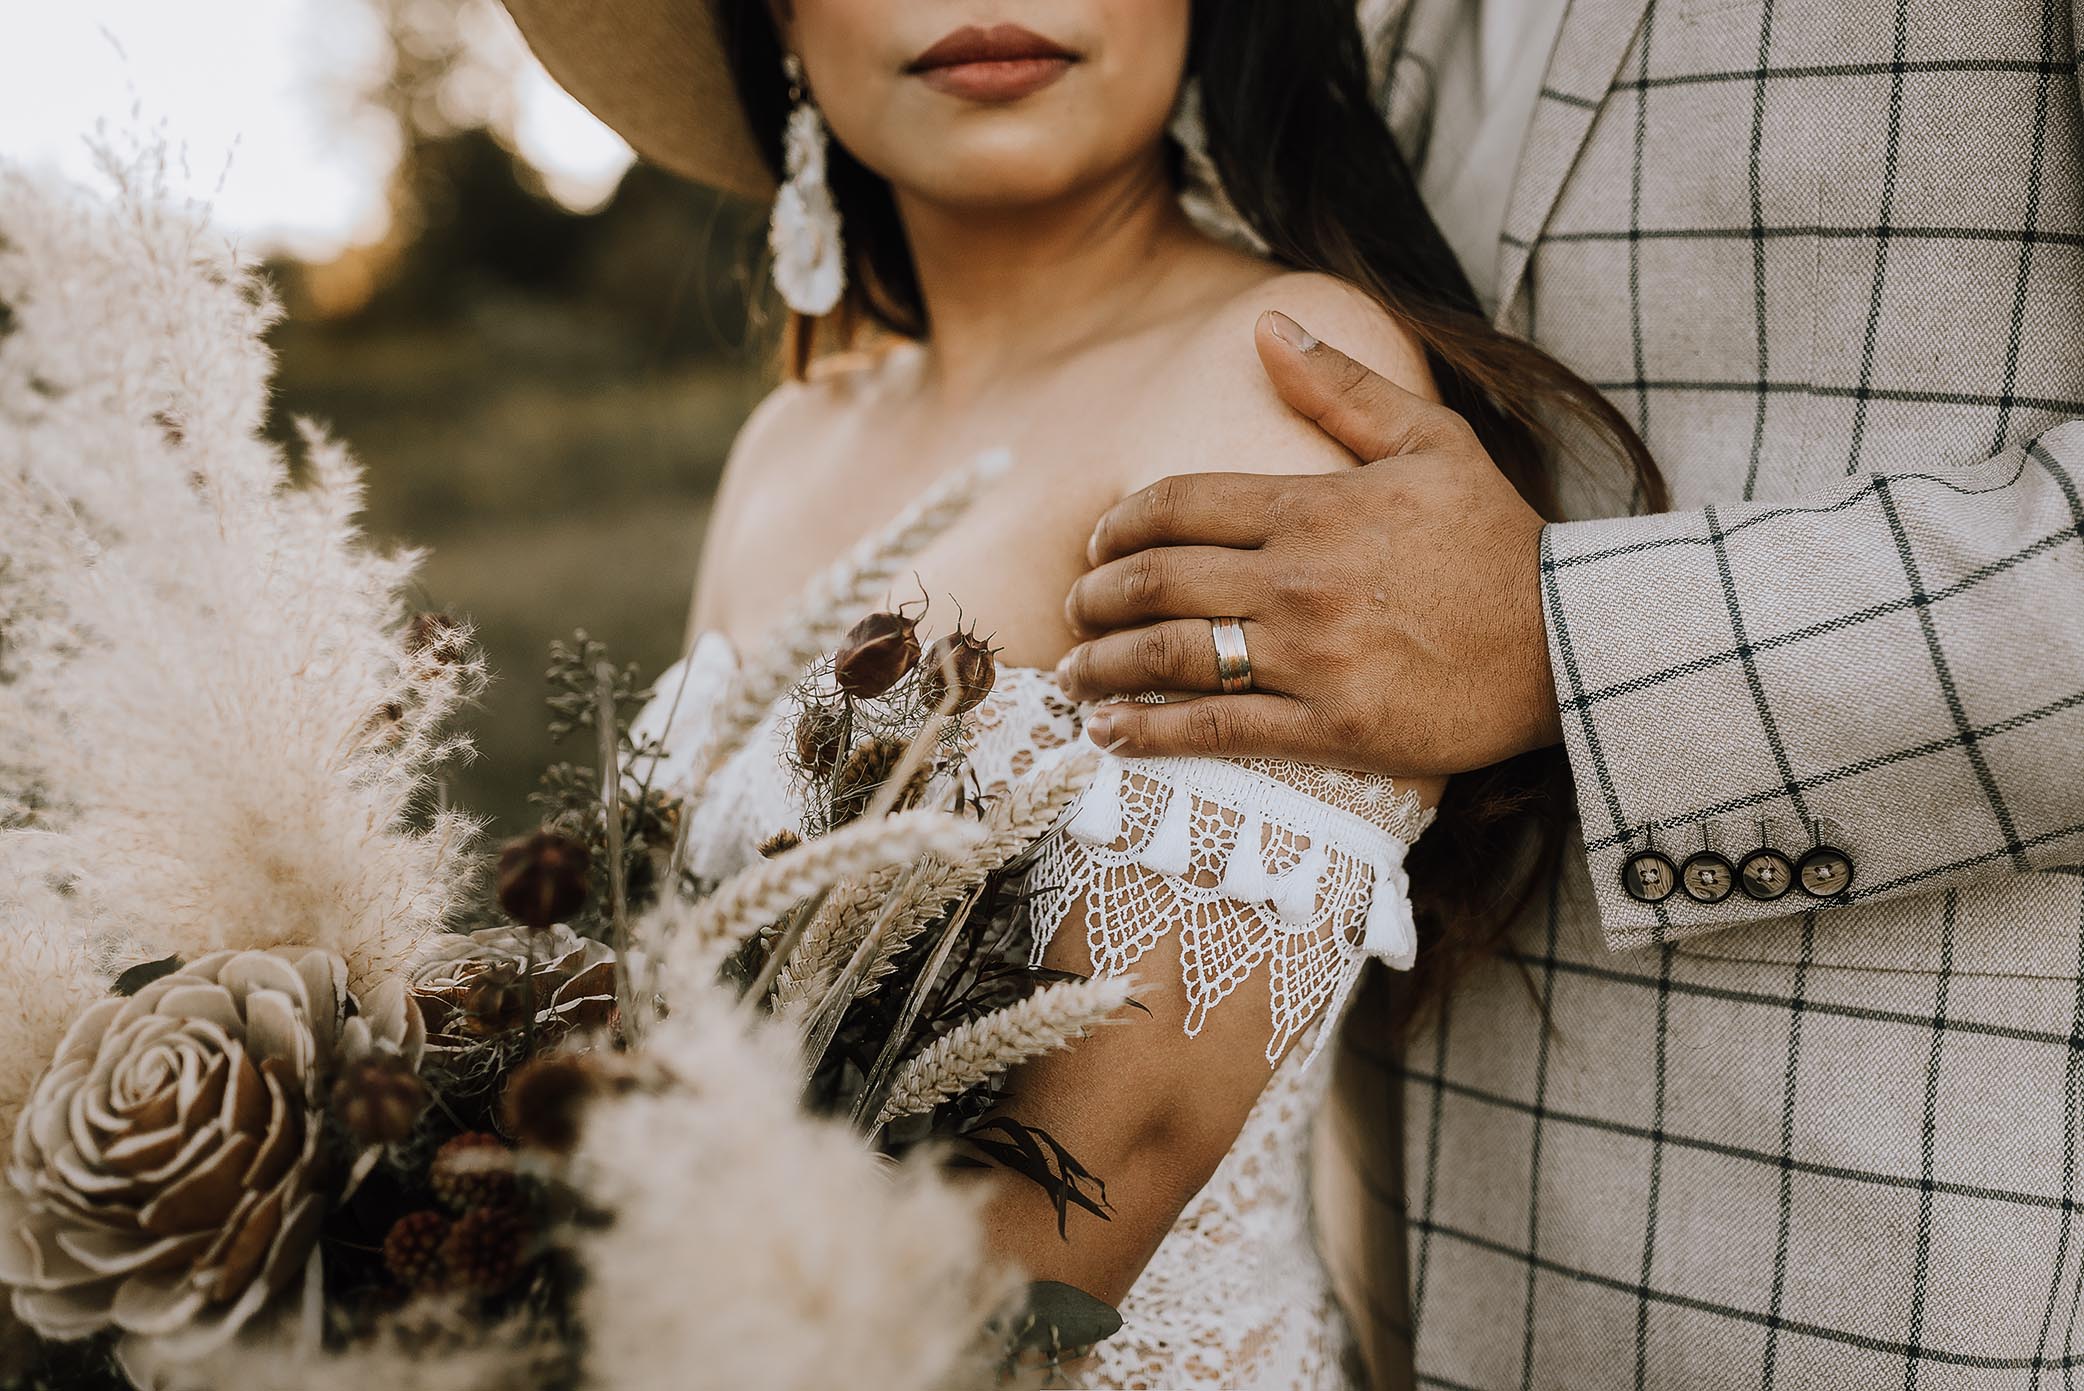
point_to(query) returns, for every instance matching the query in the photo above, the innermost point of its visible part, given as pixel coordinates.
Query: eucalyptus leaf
(1060, 1320)
(145, 972)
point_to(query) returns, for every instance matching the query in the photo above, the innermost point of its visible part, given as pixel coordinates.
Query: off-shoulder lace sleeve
(1256, 864)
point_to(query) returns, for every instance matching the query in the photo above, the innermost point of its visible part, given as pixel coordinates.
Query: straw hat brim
(655, 73)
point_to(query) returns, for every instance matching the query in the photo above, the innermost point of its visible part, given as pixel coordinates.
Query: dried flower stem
(611, 811)
(922, 986)
(980, 1049)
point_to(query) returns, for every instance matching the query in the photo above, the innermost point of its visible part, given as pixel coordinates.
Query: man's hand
(1393, 612)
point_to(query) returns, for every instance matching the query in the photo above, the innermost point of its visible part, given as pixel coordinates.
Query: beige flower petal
(205, 1197)
(245, 1096)
(29, 1254)
(156, 1304)
(276, 1028)
(284, 1136)
(131, 1155)
(72, 1312)
(109, 1253)
(240, 1261)
(251, 973)
(200, 999)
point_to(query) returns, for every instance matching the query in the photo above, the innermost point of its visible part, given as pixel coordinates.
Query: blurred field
(549, 414)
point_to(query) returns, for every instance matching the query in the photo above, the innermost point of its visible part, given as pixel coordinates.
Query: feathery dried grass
(211, 713)
(430, 1345)
(806, 1256)
(974, 1052)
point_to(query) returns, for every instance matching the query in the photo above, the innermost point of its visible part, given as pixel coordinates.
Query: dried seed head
(961, 662)
(877, 653)
(473, 1170)
(412, 1250)
(378, 1098)
(820, 740)
(780, 843)
(862, 776)
(543, 878)
(546, 1097)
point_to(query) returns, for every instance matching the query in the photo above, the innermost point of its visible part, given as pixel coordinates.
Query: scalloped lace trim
(1249, 867)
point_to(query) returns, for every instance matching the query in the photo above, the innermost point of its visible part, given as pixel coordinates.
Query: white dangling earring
(810, 266)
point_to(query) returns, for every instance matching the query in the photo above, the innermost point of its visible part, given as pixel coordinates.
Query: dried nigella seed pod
(542, 878)
(879, 650)
(820, 740)
(962, 662)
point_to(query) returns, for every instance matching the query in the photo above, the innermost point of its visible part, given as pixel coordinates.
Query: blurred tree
(544, 397)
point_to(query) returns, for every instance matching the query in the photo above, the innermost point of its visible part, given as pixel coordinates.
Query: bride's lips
(1002, 63)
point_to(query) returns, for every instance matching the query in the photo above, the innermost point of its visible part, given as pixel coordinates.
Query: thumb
(1361, 409)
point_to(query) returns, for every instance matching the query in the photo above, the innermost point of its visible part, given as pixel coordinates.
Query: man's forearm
(1895, 669)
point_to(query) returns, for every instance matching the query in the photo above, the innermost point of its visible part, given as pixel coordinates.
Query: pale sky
(258, 102)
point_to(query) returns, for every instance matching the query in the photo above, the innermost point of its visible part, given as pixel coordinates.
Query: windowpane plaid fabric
(1829, 257)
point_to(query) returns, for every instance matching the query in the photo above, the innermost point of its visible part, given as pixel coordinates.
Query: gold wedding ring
(1233, 662)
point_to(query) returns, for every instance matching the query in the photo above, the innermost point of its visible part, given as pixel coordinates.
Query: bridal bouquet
(304, 1089)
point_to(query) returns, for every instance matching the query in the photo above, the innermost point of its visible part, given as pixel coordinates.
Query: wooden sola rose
(169, 1173)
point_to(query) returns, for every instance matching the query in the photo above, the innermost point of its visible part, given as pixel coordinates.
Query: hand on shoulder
(1225, 416)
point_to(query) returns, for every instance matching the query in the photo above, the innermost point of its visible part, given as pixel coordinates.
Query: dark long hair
(1308, 161)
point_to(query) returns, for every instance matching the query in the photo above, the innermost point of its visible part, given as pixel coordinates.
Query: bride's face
(992, 103)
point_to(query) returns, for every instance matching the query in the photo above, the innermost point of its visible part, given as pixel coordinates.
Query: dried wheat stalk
(757, 895)
(979, 1050)
(1014, 823)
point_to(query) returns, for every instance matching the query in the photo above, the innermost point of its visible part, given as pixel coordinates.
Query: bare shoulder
(1220, 414)
(797, 429)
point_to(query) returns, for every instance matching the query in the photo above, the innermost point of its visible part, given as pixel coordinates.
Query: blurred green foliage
(544, 399)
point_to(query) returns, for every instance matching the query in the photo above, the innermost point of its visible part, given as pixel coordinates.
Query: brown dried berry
(413, 1250)
(780, 843)
(546, 1097)
(959, 662)
(471, 1171)
(378, 1098)
(877, 653)
(821, 735)
(542, 878)
(487, 1249)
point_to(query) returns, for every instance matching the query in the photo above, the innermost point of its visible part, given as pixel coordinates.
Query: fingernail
(1100, 729)
(1290, 332)
(1092, 547)
(1063, 668)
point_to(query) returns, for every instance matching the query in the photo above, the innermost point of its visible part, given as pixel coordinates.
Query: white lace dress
(1258, 866)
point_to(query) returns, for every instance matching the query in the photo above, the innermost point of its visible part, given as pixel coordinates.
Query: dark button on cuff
(1707, 877)
(1825, 872)
(1766, 874)
(1649, 877)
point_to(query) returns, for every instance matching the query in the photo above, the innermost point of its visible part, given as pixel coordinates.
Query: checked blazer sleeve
(1899, 662)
